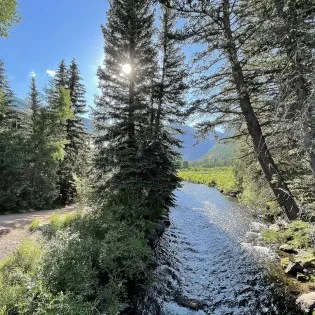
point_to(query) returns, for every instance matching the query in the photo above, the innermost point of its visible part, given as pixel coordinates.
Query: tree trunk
(271, 172)
(131, 100)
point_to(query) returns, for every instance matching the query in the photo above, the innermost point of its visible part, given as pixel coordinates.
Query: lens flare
(126, 68)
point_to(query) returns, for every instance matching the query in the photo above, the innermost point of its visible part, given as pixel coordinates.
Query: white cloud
(32, 74)
(51, 73)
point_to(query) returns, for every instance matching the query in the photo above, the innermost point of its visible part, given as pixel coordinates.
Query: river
(205, 264)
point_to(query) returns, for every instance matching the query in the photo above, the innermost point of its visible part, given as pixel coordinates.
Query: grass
(59, 222)
(298, 234)
(222, 177)
(16, 272)
(34, 225)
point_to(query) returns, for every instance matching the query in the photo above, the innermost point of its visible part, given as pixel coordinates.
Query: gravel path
(14, 227)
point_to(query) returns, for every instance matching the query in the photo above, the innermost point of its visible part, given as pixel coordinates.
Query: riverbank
(292, 243)
(224, 178)
(203, 265)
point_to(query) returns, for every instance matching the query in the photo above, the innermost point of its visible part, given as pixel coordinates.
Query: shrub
(91, 262)
(34, 225)
(16, 273)
(22, 290)
(98, 258)
(59, 222)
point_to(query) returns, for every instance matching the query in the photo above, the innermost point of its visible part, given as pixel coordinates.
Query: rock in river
(306, 302)
(293, 268)
(189, 303)
(288, 249)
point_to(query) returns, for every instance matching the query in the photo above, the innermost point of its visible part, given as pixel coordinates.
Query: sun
(126, 68)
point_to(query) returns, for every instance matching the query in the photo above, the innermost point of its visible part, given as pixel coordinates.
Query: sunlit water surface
(204, 256)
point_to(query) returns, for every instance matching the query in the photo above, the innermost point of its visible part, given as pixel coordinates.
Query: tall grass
(223, 178)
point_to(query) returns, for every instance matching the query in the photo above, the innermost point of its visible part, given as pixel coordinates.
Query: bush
(22, 290)
(34, 225)
(89, 263)
(98, 258)
(59, 222)
(16, 273)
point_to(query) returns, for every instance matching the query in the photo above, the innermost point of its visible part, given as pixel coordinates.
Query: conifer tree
(123, 111)
(34, 101)
(6, 95)
(41, 166)
(12, 148)
(76, 136)
(168, 115)
(68, 81)
(227, 93)
(284, 84)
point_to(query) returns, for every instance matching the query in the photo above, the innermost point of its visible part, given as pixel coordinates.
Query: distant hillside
(193, 151)
(219, 155)
(88, 124)
(18, 103)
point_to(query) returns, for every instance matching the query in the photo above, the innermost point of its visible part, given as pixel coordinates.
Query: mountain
(18, 103)
(219, 155)
(88, 124)
(194, 149)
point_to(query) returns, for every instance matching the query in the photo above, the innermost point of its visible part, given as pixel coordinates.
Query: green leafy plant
(34, 225)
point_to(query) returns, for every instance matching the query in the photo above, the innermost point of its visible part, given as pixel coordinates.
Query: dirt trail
(14, 227)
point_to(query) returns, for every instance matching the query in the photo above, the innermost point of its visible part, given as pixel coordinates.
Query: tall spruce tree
(168, 114)
(10, 159)
(283, 80)
(123, 111)
(68, 80)
(76, 134)
(41, 165)
(6, 95)
(34, 102)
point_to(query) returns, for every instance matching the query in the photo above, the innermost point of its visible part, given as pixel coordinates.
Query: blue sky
(51, 30)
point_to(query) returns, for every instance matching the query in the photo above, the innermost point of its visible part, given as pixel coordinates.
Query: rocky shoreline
(297, 264)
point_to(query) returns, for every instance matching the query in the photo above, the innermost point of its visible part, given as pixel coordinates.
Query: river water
(205, 264)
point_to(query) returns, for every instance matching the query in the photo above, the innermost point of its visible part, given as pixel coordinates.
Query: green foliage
(16, 272)
(98, 258)
(299, 234)
(67, 100)
(224, 177)
(62, 106)
(34, 225)
(85, 191)
(285, 262)
(92, 261)
(22, 290)
(59, 222)
(9, 16)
